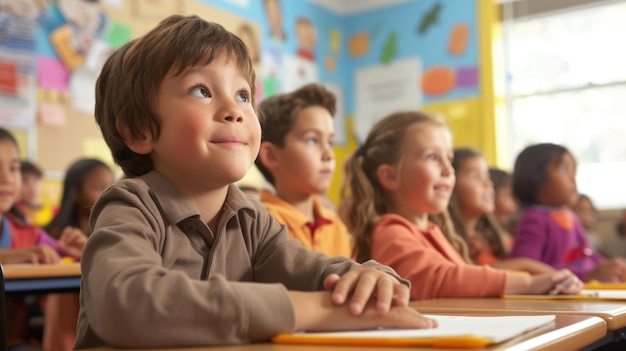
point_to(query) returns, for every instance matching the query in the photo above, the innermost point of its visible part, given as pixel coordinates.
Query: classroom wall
(419, 54)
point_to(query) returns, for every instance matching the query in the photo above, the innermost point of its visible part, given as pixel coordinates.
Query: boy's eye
(200, 92)
(311, 141)
(431, 157)
(243, 96)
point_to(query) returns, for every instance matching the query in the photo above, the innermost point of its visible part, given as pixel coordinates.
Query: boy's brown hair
(127, 88)
(278, 113)
(29, 168)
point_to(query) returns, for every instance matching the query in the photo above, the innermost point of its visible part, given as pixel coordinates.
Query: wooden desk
(614, 313)
(40, 279)
(567, 333)
(22, 278)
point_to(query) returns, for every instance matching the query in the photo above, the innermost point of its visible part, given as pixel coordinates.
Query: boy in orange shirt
(297, 158)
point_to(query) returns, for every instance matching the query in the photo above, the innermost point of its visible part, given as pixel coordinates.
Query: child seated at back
(396, 190)
(588, 215)
(506, 208)
(471, 210)
(83, 182)
(30, 204)
(544, 182)
(297, 158)
(20, 242)
(178, 255)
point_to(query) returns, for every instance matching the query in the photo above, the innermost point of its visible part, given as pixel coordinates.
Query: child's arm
(564, 281)
(43, 254)
(530, 238)
(143, 272)
(523, 264)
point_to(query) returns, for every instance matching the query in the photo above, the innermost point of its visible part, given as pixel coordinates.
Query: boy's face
(306, 163)
(10, 175)
(210, 133)
(32, 186)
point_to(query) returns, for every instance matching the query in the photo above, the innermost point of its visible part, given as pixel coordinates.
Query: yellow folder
(456, 332)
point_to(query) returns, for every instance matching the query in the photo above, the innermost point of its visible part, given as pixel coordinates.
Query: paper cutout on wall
(17, 25)
(429, 18)
(83, 90)
(118, 34)
(380, 90)
(52, 114)
(438, 80)
(334, 41)
(52, 74)
(306, 36)
(85, 24)
(18, 91)
(457, 41)
(389, 51)
(467, 77)
(298, 72)
(8, 78)
(331, 63)
(359, 44)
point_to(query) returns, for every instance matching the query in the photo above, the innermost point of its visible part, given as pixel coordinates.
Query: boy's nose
(231, 112)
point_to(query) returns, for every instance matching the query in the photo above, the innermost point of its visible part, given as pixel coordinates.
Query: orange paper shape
(438, 80)
(359, 44)
(459, 36)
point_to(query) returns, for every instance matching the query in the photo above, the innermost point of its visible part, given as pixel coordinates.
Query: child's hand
(560, 282)
(609, 271)
(72, 241)
(314, 311)
(39, 254)
(364, 284)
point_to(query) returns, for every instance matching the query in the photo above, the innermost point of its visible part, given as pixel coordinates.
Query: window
(567, 85)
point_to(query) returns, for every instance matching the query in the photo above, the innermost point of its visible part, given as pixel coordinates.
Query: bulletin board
(62, 140)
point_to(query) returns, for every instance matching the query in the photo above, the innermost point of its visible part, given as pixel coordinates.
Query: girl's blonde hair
(363, 198)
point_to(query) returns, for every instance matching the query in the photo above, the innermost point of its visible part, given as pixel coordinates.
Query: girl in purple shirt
(544, 181)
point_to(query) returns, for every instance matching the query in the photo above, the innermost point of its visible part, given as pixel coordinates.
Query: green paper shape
(390, 49)
(429, 19)
(118, 35)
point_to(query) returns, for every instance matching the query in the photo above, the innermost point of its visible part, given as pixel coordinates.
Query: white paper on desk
(605, 294)
(495, 328)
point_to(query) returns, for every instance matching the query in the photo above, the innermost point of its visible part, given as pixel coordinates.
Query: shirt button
(189, 227)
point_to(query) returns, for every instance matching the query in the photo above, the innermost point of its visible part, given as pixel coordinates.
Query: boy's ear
(268, 155)
(387, 177)
(142, 146)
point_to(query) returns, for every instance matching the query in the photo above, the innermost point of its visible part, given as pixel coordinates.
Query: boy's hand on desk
(364, 284)
(315, 311)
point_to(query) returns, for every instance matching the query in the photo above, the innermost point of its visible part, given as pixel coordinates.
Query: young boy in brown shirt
(178, 255)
